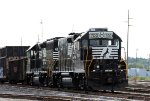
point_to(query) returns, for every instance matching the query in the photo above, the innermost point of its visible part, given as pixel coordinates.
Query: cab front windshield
(97, 42)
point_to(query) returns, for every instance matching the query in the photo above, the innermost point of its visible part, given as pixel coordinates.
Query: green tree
(135, 65)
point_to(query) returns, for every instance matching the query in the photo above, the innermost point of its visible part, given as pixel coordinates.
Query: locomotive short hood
(100, 32)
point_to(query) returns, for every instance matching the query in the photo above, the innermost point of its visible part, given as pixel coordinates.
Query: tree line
(139, 63)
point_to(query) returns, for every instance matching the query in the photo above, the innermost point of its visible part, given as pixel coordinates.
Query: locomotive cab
(101, 54)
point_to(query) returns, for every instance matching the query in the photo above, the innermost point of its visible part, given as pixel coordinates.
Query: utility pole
(72, 28)
(136, 56)
(128, 35)
(136, 64)
(149, 63)
(41, 29)
(21, 41)
(42, 41)
(38, 39)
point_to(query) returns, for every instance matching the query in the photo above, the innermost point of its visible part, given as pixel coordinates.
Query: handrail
(86, 58)
(89, 67)
(52, 67)
(86, 63)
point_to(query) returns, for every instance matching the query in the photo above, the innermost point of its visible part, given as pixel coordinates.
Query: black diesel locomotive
(81, 60)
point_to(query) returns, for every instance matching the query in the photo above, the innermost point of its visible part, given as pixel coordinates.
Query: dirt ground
(10, 99)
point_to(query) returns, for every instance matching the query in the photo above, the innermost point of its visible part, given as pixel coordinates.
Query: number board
(93, 35)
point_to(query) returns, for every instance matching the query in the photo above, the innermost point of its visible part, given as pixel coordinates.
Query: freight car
(8, 69)
(81, 60)
(17, 68)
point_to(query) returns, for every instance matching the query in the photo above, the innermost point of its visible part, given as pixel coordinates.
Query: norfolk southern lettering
(93, 35)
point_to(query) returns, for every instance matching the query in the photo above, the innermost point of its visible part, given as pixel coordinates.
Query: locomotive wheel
(31, 82)
(81, 87)
(50, 84)
(90, 88)
(59, 83)
(112, 90)
(1, 81)
(10, 81)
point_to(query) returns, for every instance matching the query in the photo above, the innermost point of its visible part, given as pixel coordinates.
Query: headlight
(119, 66)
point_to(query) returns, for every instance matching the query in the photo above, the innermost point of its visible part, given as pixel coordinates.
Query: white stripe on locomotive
(55, 55)
(110, 52)
(69, 49)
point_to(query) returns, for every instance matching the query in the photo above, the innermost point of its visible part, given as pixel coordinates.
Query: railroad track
(139, 84)
(138, 87)
(134, 95)
(45, 93)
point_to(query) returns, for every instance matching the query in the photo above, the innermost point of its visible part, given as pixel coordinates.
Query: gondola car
(81, 60)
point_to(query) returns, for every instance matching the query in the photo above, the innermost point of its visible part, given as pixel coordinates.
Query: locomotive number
(93, 35)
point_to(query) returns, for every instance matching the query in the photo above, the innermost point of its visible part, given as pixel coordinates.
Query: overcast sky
(21, 18)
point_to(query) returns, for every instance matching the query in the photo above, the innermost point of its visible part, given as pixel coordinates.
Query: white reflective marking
(105, 52)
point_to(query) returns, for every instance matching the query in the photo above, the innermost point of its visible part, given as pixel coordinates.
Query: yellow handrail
(50, 69)
(89, 64)
(89, 67)
(126, 67)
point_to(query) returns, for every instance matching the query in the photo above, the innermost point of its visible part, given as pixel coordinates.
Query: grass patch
(138, 78)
